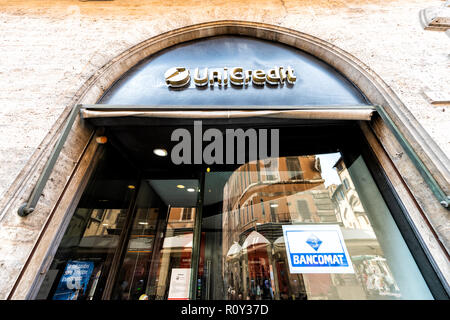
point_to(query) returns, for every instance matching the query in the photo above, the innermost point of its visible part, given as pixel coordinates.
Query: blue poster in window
(74, 281)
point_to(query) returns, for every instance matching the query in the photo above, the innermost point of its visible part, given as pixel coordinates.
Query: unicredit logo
(178, 77)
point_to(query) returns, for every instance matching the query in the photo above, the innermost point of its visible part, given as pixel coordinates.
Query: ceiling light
(101, 140)
(131, 186)
(190, 189)
(160, 152)
(143, 223)
(180, 186)
(274, 205)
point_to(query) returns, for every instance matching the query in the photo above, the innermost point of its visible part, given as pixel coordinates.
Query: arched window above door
(316, 82)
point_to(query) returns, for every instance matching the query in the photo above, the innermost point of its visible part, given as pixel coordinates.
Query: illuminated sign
(74, 281)
(178, 77)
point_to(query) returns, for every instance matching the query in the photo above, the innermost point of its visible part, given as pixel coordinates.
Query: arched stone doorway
(55, 211)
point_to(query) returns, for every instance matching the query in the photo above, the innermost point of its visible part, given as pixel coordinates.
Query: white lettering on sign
(178, 77)
(316, 249)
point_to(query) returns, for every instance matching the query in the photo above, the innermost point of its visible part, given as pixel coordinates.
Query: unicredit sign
(177, 77)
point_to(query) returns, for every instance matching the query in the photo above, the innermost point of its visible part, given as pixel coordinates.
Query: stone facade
(49, 49)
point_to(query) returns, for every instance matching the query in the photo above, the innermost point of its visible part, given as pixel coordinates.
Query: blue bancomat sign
(316, 249)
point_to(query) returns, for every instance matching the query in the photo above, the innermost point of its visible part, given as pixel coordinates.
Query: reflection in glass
(159, 248)
(130, 243)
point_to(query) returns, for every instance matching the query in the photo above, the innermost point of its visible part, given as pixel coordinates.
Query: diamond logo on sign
(314, 242)
(316, 248)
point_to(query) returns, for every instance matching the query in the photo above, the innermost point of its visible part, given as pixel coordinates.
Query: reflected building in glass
(260, 197)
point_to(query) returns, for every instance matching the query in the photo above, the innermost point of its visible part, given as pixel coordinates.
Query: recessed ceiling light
(274, 205)
(180, 186)
(190, 189)
(160, 152)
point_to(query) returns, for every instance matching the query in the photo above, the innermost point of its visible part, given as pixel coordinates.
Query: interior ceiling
(317, 84)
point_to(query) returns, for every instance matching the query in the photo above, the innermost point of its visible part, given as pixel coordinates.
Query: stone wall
(50, 48)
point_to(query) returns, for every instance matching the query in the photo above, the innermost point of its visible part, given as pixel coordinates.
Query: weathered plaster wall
(50, 48)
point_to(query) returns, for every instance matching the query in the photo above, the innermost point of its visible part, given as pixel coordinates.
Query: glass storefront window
(149, 228)
(83, 261)
(159, 248)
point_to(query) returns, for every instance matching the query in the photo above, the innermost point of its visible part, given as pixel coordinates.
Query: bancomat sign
(316, 249)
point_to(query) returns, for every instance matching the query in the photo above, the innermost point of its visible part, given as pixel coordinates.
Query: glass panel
(245, 251)
(81, 265)
(157, 263)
